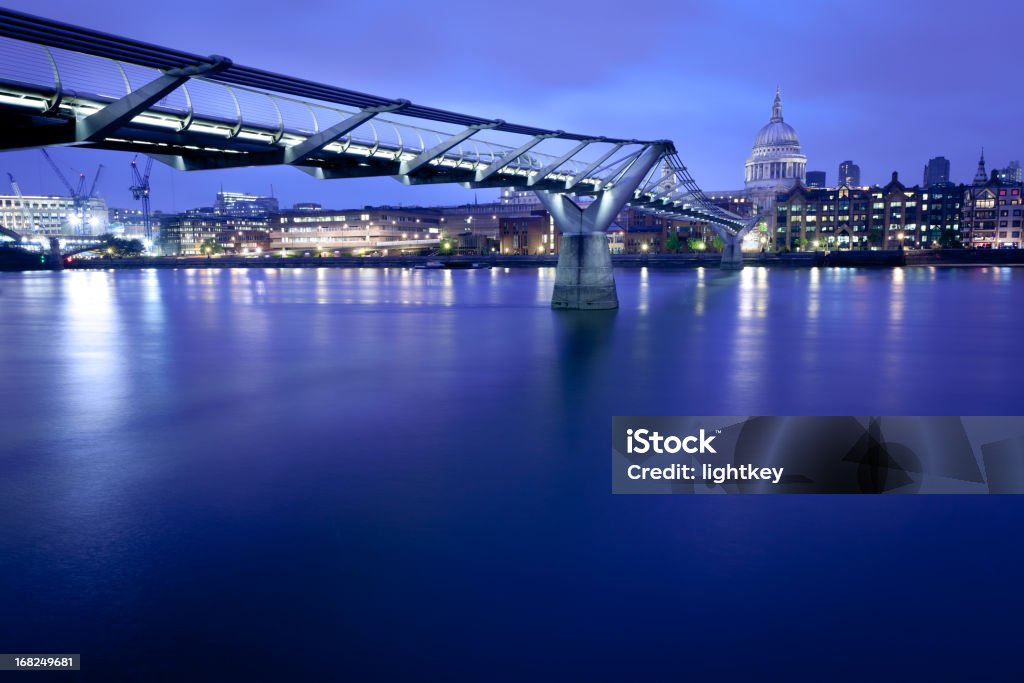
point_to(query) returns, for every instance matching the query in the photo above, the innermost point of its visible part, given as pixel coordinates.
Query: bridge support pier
(584, 278)
(55, 260)
(732, 252)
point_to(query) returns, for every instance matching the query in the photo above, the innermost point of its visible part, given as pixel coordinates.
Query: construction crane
(140, 191)
(95, 179)
(25, 210)
(79, 199)
(53, 165)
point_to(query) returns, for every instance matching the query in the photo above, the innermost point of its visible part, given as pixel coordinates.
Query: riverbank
(892, 258)
(621, 261)
(14, 260)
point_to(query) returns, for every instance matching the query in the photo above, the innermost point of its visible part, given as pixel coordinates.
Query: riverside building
(887, 217)
(370, 230)
(992, 212)
(53, 216)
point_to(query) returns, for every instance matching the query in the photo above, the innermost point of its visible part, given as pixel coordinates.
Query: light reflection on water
(370, 451)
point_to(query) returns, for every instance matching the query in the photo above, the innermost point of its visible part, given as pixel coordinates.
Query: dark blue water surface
(387, 474)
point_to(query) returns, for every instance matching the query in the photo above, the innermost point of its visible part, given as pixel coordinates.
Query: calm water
(396, 474)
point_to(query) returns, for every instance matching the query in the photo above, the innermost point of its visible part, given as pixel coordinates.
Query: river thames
(368, 474)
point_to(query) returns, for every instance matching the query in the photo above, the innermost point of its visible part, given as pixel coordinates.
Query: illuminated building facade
(244, 205)
(888, 217)
(992, 213)
(53, 216)
(532, 235)
(358, 231)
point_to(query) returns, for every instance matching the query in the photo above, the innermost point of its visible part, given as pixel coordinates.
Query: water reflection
(897, 295)
(814, 294)
(344, 434)
(583, 343)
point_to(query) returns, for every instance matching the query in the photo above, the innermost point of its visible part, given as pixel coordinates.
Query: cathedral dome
(776, 134)
(776, 163)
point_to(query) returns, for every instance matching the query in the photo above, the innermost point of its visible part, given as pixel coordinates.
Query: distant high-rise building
(1011, 174)
(849, 174)
(936, 172)
(239, 204)
(980, 176)
(816, 179)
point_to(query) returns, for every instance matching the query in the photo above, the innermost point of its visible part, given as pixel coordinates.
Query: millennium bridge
(72, 86)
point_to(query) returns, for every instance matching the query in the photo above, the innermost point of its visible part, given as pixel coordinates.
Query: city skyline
(709, 108)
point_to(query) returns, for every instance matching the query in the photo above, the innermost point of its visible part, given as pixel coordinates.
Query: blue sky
(887, 84)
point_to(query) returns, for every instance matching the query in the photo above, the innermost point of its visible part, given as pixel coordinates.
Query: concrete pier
(732, 252)
(583, 278)
(56, 259)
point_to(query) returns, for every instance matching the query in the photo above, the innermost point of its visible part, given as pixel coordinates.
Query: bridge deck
(68, 85)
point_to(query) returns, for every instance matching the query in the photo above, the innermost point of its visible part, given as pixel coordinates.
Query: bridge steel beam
(102, 123)
(314, 143)
(504, 161)
(410, 166)
(584, 278)
(550, 168)
(575, 180)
